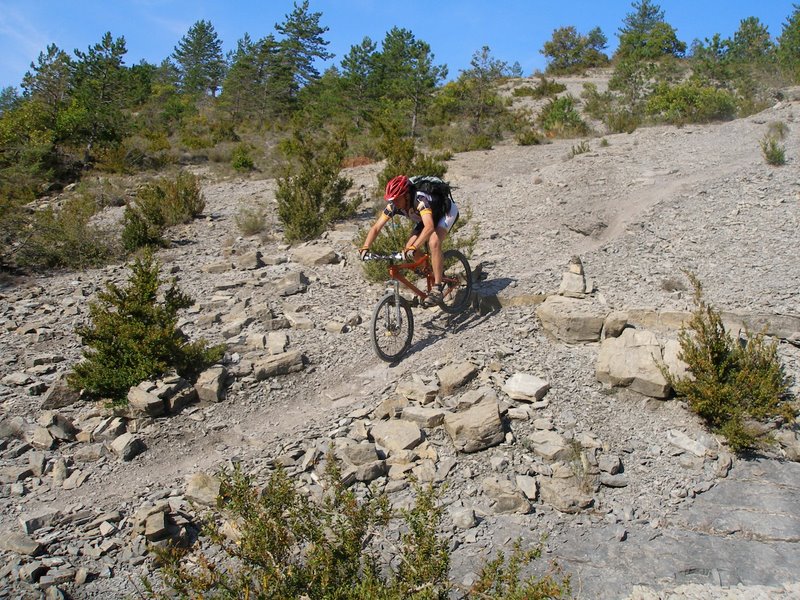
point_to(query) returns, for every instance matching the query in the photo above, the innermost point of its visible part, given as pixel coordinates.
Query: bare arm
(374, 231)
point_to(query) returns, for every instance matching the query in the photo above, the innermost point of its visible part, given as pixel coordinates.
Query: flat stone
(632, 360)
(526, 387)
(477, 428)
(424, 417)
(202, 488)
(396, 434)
(455, 376)
(572, 320)
(19, 543)
(424, 393)
(279, 364)
(210, 384)
(128, 446)
(144, 404)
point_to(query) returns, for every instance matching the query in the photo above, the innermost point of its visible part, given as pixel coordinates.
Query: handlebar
(392, 256)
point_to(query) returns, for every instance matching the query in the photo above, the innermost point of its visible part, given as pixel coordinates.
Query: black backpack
(438, 189)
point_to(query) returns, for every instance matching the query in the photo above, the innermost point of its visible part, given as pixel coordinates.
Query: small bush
(528, 137)
(251, 221)
(64, 237)
(241, 160)
(289, 546)
(580, 148)
(604, 143)
(311, 194)
(730, 382)
(777, 130)
(159, 205)
(623, 121)
(690, 102)
(546, 88)
(133, 336)
(774, 153)
(560, 118)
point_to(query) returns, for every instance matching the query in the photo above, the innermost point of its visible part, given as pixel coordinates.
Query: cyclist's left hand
(363, 253)
(409, 253)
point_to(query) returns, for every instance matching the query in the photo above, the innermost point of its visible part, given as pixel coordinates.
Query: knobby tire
(391, 339)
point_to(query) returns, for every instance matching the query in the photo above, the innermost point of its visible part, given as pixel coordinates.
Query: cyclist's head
(396, 187)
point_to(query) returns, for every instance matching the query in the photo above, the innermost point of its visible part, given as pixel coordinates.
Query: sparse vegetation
(773, 151)
(546, 88)
(251, 221)
(731, 381)
(133, 336)
(580, 148)
(241, 159)
(561, 119)
(286, 545)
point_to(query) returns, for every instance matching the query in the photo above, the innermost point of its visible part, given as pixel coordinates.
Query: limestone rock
(631, 360)
(475, 429)
(454, 376)
(424, 417)
(526, 387)
(144, 404)
(211, 384)
(314, 255)
(417, 390)
(19, 543)
(291, 284)
(396, 434)
(278, 364)
(506, 497)
(202, 488)
(564, 494)
(60, 395)
(128, 446)
(572, 320)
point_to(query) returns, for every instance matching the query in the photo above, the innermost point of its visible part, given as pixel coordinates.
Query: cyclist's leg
(436, 241)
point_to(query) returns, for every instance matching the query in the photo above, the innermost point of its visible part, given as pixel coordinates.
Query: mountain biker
(433, 220)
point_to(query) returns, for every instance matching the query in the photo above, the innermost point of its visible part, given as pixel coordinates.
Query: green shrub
(241, 160)
(528, 137)
(311, 194)
(560, 118)
(65, 238)
(777, 130)
(546, 88)
(159, 205)
(623, 121)
(595, 104)
(251, 221)
(133, 336)
(286, 546)
(774, 153)
(729, 382)
(581, 148)
(690, 102)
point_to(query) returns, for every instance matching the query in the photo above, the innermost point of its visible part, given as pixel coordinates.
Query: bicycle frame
(396, 276)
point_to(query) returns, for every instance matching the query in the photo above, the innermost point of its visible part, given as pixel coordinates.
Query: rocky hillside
(504, 403)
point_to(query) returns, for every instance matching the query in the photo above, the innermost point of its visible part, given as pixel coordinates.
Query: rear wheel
(457, 282)
(392, 328)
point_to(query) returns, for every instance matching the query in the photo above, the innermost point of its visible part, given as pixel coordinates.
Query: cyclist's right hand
(363, 253)
(408, 253)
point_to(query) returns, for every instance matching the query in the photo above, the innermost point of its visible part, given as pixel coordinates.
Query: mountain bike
(392, 326)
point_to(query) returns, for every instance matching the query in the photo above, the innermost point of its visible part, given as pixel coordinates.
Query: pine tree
(789, 45)
(200, 61)
(301, 45)
(646, 35)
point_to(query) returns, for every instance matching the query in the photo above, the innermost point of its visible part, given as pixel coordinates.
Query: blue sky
(515, 30)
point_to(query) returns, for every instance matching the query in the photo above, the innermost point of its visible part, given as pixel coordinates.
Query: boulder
(572, 320)
(477, 428)
(144, 404)
(550, 445)
(564, 494)
(506, 497)
(128, 446)
(291, 284)
(314, 255)
(19, 543)
(278, 364)
(60, 395)
(250, 261)
(202, 488)
(211, 384)
(454, 376)
(526, 387)
(632, 360)
(424, 417)
(417, 390)
(396, 434)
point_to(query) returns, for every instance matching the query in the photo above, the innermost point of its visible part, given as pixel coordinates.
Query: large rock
(571, 320)
(475, 429)
(314, 255)
(564, 494)
(506, 497)
(424, 417)
(60, 395)
(19, 543)
(211, 384)
(144, 404)
(202, 488)
(291, 284)
(396, 434)
(632, 360)
(526, 387)
(128, 446)
(420, 391)
(550, 445)
(454, 376)
(278, 364)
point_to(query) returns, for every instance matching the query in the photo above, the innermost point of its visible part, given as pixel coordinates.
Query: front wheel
(457, 282)
(392, 327)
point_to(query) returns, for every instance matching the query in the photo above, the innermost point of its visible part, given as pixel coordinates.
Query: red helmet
(396, 187)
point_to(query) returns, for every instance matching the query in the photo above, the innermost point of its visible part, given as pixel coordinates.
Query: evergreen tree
(101, 85)
(752, 42)
(570, 52)
(200, 61)
(789, 45)
(49, 80)
(9, 98)
(646, 36)
(301, 45)
(359, 80)
(407, 75)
